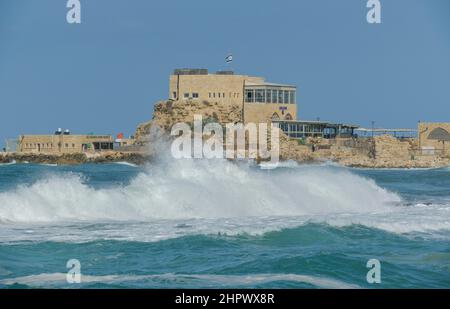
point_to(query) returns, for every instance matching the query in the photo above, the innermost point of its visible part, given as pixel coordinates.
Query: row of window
(194, 95)
(45, 145)
(270, 96)
(302, 128)
(222, 95)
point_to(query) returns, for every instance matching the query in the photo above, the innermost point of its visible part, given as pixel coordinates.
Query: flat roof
(190, 71)
(76, 135)
(326, 123)
(252, 84)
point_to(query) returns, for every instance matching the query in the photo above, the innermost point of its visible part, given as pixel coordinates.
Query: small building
(309, 128)
(124, 142)
(261, 101)
(64, 143)
(434, 137)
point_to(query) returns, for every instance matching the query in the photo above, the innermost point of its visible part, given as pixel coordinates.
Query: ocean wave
(207, 280)
(207, 197)
(126, 163)
(9, 163)
(187, 189)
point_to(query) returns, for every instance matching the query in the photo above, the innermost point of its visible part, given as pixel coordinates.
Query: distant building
(434, 137)
(299, 129)
(261, 101)
(64, 143)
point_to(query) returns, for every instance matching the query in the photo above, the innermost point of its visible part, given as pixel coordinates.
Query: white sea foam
(187, 189)
(9, 163)
(209, 280)
(126, 163)
(186, 197)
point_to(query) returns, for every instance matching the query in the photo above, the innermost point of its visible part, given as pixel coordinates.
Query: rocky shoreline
(353, 161)
(75, 158)
(378, 152)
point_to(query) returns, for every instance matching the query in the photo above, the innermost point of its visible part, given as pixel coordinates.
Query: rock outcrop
(74, 158)
(167, 113)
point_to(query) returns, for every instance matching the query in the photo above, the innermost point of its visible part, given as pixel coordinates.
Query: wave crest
(184, 189)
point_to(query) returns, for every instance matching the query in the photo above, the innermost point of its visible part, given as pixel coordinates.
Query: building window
(292, 97)
(223, 95)
(73, 145)
(186, 95)
(174, 94)
(260, 95)
(274, 96)
(286, 97)
(195, 95)
(280, 96)
(249, 95)
(268, 96)
(67, 145)
(275, 116)
(218, 94)
(288, 117)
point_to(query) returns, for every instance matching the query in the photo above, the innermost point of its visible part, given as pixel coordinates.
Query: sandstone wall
(388, 147)
(167, 113)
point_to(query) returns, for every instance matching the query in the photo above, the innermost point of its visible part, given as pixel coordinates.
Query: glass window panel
(268, 95)
(292, 97)
(286, 97)
(280, 96)
(249, 95)
(259, 95)
(274, 96)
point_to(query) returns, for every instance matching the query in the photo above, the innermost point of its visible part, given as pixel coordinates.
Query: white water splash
(187, 189)
(209, 280)
(187, 197)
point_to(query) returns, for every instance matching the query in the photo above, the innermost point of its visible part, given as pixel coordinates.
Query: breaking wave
(187, 189)
(9, 163)
(188, 197)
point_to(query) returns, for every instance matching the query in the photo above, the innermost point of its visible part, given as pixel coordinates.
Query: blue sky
(105, 74)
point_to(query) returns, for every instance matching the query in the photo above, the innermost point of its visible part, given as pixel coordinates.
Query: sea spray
(184, 189)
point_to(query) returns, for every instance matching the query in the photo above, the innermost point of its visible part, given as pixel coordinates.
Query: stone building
(261, 101)
(64, 143)
(434, 137)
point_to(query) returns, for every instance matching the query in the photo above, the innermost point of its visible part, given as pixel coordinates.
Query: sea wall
(74, 158)
(389, 152)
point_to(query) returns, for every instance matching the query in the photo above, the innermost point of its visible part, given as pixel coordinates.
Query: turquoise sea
(217, 224)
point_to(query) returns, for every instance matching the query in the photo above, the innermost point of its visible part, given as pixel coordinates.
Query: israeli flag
(229, 58)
